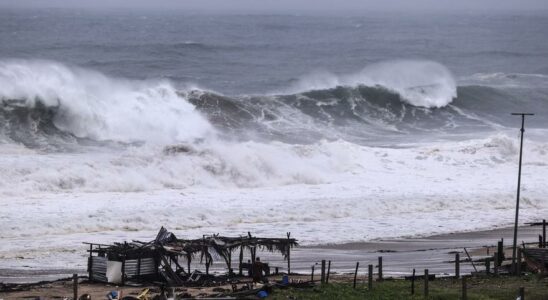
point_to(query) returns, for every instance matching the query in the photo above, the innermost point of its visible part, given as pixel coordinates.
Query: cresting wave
(47, 104)
(419, 83)
(48, 97)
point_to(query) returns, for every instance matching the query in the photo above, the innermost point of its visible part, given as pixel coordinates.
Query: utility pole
(519, 186)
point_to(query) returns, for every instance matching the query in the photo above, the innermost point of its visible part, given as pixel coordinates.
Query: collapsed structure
(161, 258)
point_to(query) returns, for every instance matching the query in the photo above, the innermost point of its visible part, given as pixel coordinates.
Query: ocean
(334, 128)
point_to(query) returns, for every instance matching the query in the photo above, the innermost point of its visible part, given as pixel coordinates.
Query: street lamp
(519, 184)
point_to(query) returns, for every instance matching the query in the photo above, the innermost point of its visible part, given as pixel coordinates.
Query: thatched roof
(209, 247)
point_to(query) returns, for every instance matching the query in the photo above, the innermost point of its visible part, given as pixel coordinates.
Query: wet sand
(399, 256)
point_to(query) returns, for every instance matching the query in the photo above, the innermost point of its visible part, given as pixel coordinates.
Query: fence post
(518, 263)
(322, 278)
(543, 233)
(328, 271)
(380, 267)
(413, 283)
(488, 265)
(521, 293)
(370, 277)
(356, 273)
(312, 278)
(500, 251)
(457, 265)
(75, 285)
(426, 282)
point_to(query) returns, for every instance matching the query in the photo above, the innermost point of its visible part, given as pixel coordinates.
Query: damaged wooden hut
(168, 259)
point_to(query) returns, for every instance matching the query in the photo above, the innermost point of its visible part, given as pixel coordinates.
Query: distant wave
(508, 80)
(420, 83)
(491, 53)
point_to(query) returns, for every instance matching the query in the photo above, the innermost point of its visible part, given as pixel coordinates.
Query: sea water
(334, 128)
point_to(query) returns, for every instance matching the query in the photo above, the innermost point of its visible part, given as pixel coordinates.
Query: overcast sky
(294, 5)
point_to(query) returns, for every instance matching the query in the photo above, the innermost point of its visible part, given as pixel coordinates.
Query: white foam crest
(219, 164)
(420, 83)
(92, 105)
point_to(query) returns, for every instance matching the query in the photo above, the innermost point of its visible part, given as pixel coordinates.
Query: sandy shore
(399, 256)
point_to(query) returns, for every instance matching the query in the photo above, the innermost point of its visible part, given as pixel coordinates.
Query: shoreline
(400, 256)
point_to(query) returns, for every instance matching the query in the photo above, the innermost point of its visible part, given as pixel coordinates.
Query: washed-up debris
(536, 259)
(160, 260)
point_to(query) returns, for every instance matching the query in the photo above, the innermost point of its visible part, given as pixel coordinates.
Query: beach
(400, 256)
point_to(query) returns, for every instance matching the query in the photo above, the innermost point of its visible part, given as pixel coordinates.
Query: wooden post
(188, 263)
(229, 262)
(413, 283)
(328, 271)
(487, 265)
(124, 270)
(457, 265)
(540, 241)
(90, 263)
(521, 293)
(288, 254)
(425, 282)
(370, 277)
(312, 275)
(380, 267)
(356, 273)
(500, 251)
(543, 233)
(518, 263)
(75, 285)
(322, 278)
(252, 251)
(464, 296)
(241, 261)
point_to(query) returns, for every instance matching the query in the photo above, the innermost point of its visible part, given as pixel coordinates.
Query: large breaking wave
(45, 104)
(133, 135)
(46, 98)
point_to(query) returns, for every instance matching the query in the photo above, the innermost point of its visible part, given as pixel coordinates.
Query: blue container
(262, 294)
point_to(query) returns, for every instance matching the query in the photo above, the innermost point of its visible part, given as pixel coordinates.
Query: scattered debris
(160, 259)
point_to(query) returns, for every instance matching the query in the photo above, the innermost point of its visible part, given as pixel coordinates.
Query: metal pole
(518, 189)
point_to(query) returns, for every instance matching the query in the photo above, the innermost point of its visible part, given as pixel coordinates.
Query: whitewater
(121, 158)
(106, 143)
